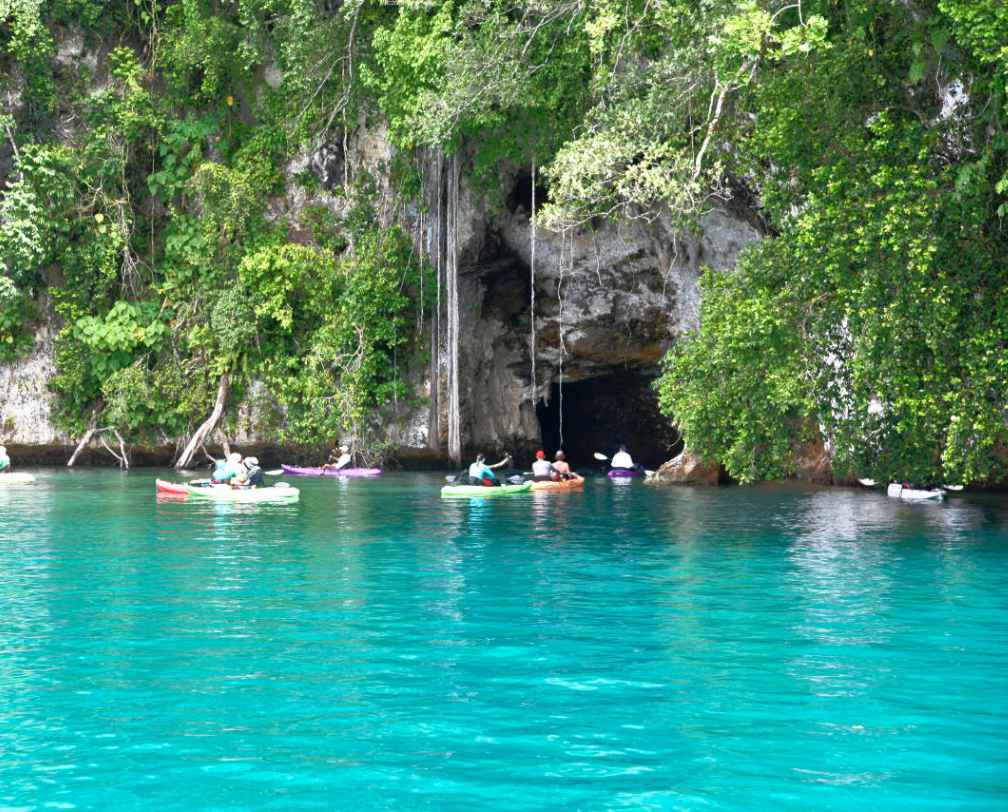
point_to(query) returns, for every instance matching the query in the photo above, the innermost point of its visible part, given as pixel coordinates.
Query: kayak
(624, 473)
(225, 493)
(292, 470)
(482, 491)
(898, 491)
(575, 484)
(15, 478)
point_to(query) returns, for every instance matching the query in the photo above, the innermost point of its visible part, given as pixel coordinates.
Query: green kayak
(480, 491)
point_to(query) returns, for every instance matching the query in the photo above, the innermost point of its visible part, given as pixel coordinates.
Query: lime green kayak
(481, 491)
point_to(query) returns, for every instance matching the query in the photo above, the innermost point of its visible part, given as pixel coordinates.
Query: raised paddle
(600, 457)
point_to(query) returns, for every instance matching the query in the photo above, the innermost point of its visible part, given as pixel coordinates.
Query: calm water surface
(376, 648)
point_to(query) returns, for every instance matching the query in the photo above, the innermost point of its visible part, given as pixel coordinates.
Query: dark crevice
(506, 283)
(521, 195)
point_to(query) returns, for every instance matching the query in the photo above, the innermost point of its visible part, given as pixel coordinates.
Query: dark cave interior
(601, 413)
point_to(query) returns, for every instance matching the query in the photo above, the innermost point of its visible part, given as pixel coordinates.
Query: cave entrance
(601, 413)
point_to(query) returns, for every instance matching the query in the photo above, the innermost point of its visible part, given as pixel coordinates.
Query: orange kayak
(575, 484)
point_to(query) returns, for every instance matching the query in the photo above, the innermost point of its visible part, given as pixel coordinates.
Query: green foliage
(148, 210)
(883, 282)
(180, 151)
(365, 316)
(27, 41)
(737, 388)
(34, 211)
(513, 83)
(16, 313)
(113, 340)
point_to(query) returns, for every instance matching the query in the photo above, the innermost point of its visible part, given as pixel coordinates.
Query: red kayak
(292, 470)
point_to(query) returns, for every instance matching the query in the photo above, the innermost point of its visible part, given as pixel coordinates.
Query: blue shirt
(479, 470)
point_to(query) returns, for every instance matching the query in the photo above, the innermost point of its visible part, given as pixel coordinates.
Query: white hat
(234, 456)
(251, 460)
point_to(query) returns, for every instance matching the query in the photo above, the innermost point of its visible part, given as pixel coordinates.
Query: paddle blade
(275, 472)
(600, 457)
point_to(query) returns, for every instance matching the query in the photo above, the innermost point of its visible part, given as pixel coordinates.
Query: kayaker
(342, 461)
(228, 469)
(254, 475)
(5, 463)
(621, 459)
(482, 474)
(561, 466)
(542, 469)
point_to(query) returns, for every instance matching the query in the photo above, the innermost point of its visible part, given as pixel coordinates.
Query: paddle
(600, 457)
(275, 472)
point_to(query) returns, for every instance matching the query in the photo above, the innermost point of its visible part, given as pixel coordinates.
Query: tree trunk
(92, 428)
(197, 440)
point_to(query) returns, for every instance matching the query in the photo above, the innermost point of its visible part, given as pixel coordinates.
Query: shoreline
(272, 456)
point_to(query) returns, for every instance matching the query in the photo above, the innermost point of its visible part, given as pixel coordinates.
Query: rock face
(687, 469)
(25, 401)
(608, 304)
(813, 462)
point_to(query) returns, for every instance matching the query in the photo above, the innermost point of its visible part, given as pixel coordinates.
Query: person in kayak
(482, 474)
(561, 466)
(342, 461)
(5, 463)
(254, 474)
(621, 459)
(228, 469)
(542, 469)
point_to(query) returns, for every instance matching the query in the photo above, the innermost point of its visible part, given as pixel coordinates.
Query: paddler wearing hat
(542, 468)
(253, 473)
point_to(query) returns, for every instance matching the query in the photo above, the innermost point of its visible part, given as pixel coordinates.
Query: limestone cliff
(609, 302)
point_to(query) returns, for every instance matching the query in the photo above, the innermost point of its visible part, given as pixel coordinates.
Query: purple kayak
(291, 470)
(625, 473)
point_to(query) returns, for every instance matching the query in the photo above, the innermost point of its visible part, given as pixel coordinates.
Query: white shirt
(343, 461)
(622, 460)
(542, 468)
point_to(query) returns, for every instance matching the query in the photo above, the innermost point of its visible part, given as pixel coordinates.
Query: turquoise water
(376, 648)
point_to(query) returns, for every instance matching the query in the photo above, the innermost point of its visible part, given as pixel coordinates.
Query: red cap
(540, 455)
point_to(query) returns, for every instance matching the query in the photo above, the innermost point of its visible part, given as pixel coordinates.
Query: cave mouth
(521, 194)
(602, 413)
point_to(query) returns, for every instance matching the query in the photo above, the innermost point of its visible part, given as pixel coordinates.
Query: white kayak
(15, 478)
(280, 492)
(898, 491)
